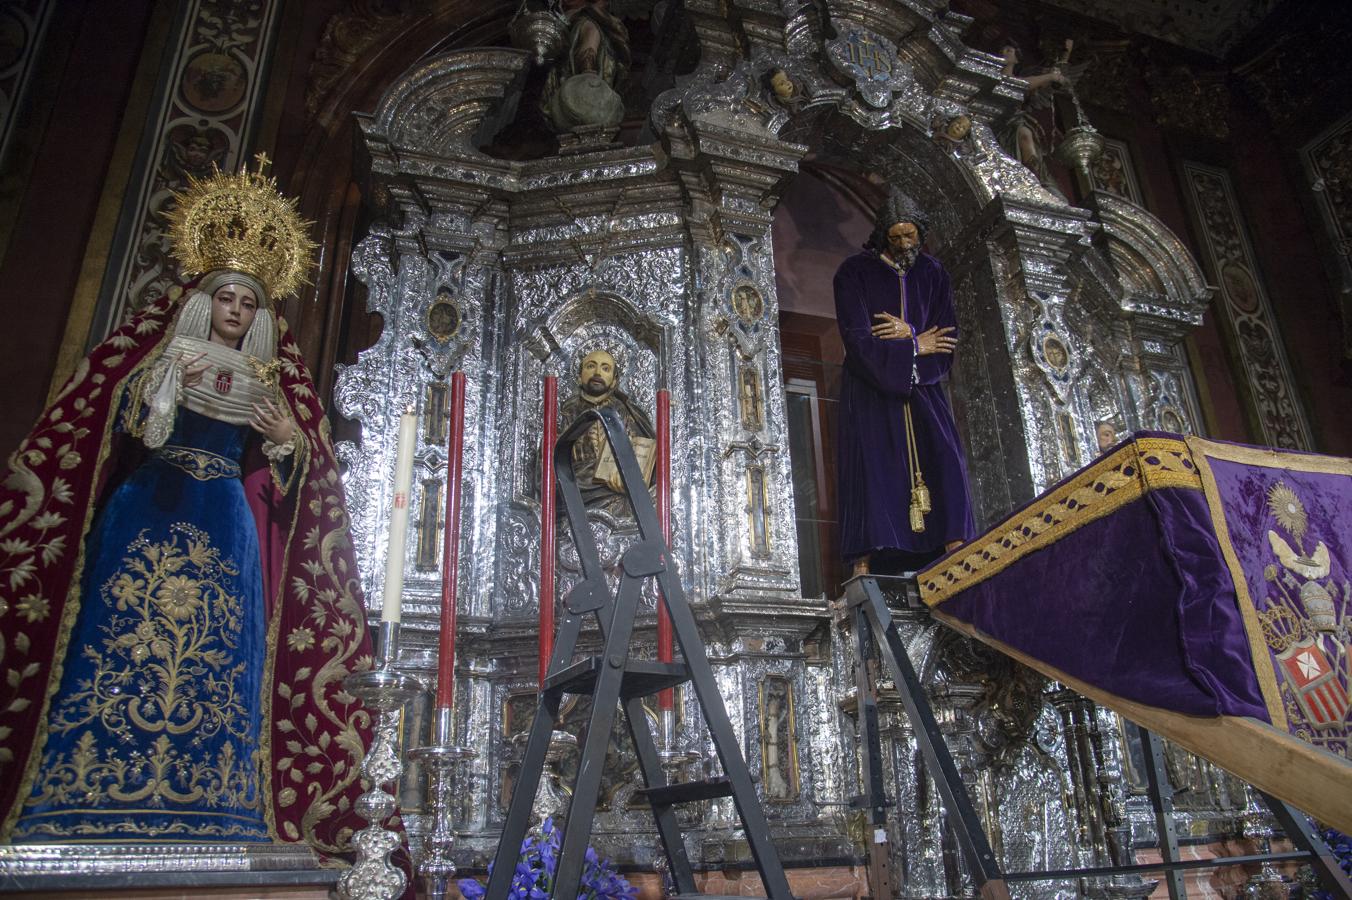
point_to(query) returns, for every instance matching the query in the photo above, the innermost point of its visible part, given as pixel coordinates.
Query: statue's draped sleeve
(887, 365)
(934, 367)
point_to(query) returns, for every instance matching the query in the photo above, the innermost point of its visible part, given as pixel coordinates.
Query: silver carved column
(1071, 316)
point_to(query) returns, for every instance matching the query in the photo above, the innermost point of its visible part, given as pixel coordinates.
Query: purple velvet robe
(874, 488)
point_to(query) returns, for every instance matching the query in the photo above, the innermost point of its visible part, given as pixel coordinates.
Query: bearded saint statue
(185, 600)
(902, 475)
(598, 476)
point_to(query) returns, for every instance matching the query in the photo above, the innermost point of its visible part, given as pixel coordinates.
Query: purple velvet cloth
(874, 491)
(1139, 603)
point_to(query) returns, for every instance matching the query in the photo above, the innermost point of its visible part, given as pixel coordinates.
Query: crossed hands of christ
(935, 340)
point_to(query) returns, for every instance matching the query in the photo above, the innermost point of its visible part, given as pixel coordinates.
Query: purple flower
(1341, 846)
(533, 877)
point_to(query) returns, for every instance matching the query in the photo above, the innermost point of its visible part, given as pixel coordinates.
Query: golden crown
(242, 222)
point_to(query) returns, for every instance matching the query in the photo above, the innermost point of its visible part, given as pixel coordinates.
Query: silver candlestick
(678, 766)
(1257, 825)
(443, 759)
(553, 797)
(385, 691)
(674, 761)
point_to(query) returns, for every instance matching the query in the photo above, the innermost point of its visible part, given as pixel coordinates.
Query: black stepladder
(613, 678)
(875, 629)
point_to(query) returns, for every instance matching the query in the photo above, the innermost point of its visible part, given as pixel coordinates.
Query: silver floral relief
(562, 314)
(1057, 333)
(519, 541)
(758, 546)
(1159, 279)
(652, 283)
(374, 392)
(1168, 404)
(1019, 309)
(438, 105)
(410, 281)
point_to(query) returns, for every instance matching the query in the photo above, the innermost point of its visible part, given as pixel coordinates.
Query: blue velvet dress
(155, 734)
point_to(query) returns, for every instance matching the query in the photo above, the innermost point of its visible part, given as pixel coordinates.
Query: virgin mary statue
(180, 603)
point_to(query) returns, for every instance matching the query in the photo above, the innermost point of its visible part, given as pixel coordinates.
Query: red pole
(547, 521)
(665, 699)
(450, 553)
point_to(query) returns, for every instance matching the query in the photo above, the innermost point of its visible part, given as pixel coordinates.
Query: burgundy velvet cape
(874, 489)
(314, 732)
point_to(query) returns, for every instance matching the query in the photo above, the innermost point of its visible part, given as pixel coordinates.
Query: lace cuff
(285, 460)
(277, 453)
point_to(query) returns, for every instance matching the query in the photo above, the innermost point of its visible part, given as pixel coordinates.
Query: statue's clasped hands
(272, 422)
(935, 340)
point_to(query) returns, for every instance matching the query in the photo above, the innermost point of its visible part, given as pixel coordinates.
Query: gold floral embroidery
(265, 372)
(30, 551)
(164, 776)
(33, 607)
(132, 823)
(200, 464)
(167, 667)
(322, 749)
(301, 638)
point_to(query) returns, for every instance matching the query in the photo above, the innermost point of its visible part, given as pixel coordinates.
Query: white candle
(403, 485)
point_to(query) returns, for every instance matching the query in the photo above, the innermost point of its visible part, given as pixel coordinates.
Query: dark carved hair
(898, 207)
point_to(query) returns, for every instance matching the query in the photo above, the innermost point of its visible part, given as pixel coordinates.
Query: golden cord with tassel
(920, 495)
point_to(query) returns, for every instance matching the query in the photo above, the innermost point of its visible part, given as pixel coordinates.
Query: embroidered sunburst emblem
(1288, 509)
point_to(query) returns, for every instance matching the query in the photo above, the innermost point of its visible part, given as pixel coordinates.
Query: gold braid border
(1203, 451)
(1143, 465)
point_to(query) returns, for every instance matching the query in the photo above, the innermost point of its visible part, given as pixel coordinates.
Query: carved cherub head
(782, 85)
(1106, 435)
(957, 128)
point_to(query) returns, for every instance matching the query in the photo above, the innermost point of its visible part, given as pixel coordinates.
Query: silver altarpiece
(661, 252)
